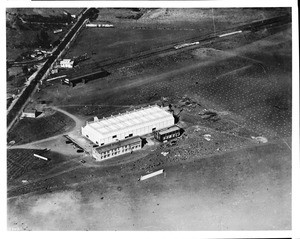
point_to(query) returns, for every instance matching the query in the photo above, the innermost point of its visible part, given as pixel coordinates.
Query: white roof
(66, 61)
(132, 119)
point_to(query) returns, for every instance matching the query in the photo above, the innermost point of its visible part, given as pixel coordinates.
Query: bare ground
(226, 192)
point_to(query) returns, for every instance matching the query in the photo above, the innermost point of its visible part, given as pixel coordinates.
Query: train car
(186, 45)
(105, 25)
(167, 134)
(57, 31)
(91, 25)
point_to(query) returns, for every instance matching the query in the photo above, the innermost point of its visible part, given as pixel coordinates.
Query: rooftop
(129, 119)
(29, 110)
(66, 61)
(169, 130)
(118, 144)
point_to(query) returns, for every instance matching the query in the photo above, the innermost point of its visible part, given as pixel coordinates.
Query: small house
(167, 133)
(66, 63)
(30, 113)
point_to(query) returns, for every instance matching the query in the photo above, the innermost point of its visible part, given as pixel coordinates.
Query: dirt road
(35, 144)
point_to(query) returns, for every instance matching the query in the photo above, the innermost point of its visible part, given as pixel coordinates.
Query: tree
(25, 70)
(43, 39)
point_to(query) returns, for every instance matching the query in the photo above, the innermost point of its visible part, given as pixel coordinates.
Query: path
(78, 124)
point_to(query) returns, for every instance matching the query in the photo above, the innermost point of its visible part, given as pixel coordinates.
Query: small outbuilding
(66, 63)
(168, 133)
(57, 31)
(30, 113)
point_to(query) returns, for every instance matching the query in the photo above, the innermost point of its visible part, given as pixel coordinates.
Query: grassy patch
(28, 130)
(22, 161)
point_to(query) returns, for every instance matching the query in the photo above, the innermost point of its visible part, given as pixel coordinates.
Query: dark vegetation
(62, 19)
(43, 39)
(22, 161)
(28, 130)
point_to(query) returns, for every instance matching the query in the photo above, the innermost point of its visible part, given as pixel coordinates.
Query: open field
(28, 130)
(226, 192)
(231, 182)
(246, 80)
(20, 161)
(156, 28)
(177, 18)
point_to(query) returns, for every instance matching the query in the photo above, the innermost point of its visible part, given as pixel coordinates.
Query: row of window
(130, 135)
(114, 136)
(171, 133)
(98, 143)
(170, 136)
(118, 149)
(116, 152)
(123, 149)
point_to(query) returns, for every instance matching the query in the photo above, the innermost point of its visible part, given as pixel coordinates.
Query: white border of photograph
(294, 233)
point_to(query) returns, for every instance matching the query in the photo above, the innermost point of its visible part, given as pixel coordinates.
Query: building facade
(167, 134)
(123, 126)
(118, 148)
(30, 113)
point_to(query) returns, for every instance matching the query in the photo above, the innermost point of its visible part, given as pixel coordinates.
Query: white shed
(66, 63)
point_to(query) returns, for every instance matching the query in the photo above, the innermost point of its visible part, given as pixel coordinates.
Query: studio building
(130, 124)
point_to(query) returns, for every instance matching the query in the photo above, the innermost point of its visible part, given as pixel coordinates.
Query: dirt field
(28, 130)
(198, 18)
(21, 161)
(225, 192)
(231, 182)
(156, 28)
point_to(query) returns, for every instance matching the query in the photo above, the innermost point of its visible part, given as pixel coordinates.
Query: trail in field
(32, 182)
(160, 77)
(100, 105)
(78, 124)
(235, 71)
(287, 144)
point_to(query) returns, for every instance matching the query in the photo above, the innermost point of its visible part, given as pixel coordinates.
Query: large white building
(138, 122)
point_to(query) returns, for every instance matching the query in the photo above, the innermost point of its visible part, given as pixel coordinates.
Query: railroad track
(254, 26)
(250, 27)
